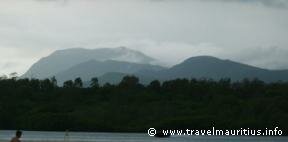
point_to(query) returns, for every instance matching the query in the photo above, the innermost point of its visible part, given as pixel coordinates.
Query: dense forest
(32, 104)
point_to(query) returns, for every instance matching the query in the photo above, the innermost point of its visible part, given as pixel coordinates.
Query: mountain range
(112, 64)
(215, 68)
(62, 60)
(94, 68)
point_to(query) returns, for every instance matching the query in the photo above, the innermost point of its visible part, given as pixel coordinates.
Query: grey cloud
(46, 0)
(173, 31)
(268, 3)
(9, 65)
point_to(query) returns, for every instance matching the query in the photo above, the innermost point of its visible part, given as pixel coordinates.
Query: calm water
(127, 137)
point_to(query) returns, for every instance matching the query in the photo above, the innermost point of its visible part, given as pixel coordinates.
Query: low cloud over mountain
(62, 60)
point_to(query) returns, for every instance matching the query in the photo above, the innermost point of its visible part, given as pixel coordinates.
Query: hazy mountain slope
(64, 59)
(115, 78)
(94, 68)
(211, 67)
(111, 77)
(88, 63)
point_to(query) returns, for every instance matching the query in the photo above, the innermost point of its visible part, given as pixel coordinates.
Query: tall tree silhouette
(155, 85)
(94, 83)
(68, 84)
(129, 81)
(78, 83)
(54, 81)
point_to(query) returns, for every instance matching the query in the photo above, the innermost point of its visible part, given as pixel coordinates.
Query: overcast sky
(249, 31)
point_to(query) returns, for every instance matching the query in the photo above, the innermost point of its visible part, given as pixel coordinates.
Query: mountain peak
(61, 60)
(202, 58)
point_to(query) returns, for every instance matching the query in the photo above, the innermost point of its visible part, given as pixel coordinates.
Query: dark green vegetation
(131, 107)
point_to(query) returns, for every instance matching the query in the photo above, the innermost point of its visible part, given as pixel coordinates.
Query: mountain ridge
(94, 68)
(61, 60)
(121, 60)
(214, 68)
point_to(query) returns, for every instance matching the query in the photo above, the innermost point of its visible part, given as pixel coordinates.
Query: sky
(253, 32)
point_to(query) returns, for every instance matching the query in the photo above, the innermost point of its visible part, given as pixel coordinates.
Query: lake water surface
(29, 136)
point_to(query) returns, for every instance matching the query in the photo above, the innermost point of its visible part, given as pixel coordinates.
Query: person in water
(17, 137)
(66, 137)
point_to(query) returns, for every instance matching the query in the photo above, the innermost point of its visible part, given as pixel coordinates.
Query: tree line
(33, 104)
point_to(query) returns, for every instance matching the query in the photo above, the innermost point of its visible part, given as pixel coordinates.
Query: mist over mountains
(62, 60)
(110, 65)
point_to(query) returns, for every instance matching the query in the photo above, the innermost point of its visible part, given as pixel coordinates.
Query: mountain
(111, 64)
(215, 68)
(93, 68)
(116, 77)
(111, 77)
(62, 60)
